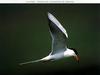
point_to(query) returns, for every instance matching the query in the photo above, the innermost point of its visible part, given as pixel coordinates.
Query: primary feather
(59, 35)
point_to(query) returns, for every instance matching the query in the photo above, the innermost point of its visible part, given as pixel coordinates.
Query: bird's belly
(57, 56)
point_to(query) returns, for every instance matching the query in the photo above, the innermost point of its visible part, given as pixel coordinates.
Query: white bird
(59, 47)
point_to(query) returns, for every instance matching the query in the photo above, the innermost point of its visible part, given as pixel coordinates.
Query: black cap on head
(76, 57)
(74, 50)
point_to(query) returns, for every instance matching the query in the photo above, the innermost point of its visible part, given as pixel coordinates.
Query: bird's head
(76, 55)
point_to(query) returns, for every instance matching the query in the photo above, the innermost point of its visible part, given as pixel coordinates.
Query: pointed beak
(77, 58)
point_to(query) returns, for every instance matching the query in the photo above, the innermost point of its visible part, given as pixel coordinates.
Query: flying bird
(59, 45)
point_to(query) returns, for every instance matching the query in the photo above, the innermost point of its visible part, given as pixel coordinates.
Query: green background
(24, 36)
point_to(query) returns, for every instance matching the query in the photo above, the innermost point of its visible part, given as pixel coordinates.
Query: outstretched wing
(30, 62)
(58, 34)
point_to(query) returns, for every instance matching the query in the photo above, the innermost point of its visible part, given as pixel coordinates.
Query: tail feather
(30, 62)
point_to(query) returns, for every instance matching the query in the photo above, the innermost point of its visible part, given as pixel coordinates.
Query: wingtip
(49, 15)
(54, 20)
(66, 34)
(21, 64)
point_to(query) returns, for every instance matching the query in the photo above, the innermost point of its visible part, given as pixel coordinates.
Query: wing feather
(59, 35)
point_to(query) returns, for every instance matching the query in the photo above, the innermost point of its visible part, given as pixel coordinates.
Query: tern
(59, 45)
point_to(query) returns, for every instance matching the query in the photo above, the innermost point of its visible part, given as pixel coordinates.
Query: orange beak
(77, 58)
